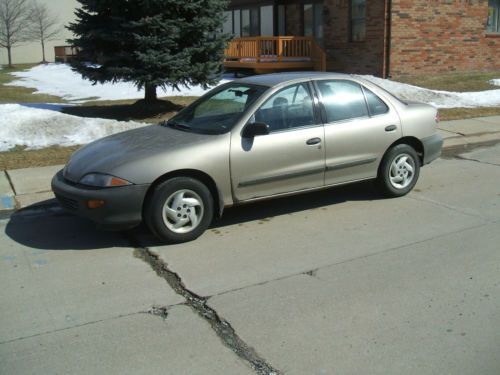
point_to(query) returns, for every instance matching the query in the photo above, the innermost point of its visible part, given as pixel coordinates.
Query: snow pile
(439, 99)
(60, 80)
(495, 82)
(39, 128)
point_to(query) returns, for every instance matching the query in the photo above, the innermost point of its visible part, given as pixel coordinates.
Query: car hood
(108, 154)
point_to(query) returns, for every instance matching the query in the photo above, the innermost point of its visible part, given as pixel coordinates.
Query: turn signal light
(115, 181)
(95, 203)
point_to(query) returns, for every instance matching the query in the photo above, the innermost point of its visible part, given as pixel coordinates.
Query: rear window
(376, 106)
(389, 93)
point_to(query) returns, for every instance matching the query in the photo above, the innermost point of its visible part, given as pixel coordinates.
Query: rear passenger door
(359, 127)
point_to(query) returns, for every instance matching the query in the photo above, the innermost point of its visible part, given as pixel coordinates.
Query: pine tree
(153, 43)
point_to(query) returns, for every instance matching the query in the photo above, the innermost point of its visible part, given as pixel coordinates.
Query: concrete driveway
(336, 282)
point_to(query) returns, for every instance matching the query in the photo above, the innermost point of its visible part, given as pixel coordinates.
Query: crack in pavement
(161, 311)
(199, 304)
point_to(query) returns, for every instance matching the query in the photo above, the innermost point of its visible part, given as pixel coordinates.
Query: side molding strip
(350, 164)
(287, 176)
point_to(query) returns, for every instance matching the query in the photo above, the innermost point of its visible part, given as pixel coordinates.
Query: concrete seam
(313, 272)
(460, 157)
(75, 326)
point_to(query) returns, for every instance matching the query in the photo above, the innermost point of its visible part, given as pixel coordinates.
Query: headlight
(103, 180)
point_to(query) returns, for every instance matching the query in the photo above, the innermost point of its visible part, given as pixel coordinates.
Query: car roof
(274, 79)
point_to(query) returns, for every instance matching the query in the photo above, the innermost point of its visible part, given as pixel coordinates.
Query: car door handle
(390, 128)
(313, 141)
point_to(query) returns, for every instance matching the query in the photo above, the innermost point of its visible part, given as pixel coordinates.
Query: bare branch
(13, 22)
(44, 25)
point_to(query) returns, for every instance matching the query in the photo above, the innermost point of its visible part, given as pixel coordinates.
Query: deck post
(280, 49)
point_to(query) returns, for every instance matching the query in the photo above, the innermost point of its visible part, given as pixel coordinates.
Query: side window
(290, 107)
(343, 100)
(375, 104)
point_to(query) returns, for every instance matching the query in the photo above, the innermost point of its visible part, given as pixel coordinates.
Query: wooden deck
(65, 53)
(265, 54)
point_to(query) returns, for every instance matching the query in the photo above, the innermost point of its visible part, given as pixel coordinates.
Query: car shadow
(362, 191)
(54, 229)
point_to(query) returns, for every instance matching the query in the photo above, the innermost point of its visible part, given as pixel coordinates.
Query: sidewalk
(24, 187)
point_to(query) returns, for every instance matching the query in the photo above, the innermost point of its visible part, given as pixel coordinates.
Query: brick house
(381, 37)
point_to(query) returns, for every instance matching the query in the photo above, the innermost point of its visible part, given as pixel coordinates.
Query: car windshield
(219, 110)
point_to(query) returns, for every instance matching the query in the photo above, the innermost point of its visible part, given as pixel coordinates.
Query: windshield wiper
(177, 125)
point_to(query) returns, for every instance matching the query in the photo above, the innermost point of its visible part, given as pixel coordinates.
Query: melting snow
(60, 80)
(440, 99)
(39, 128)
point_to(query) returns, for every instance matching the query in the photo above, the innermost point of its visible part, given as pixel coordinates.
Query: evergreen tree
(153, 43)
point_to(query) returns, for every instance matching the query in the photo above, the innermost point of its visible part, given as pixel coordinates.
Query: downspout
(386, 69)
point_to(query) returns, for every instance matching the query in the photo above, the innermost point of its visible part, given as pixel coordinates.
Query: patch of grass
(12, 94)
(463, 113)
(19, 157)
(454, 82)
(137, 110)
(459, 82)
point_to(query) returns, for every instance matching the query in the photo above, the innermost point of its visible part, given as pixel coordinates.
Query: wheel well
(413, 142)
(193, 173)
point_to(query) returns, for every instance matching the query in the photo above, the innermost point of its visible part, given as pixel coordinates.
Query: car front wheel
(399, 171)
(179, 210)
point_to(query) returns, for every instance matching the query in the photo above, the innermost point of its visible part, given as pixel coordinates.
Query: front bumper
(433, 146)
(122, 208)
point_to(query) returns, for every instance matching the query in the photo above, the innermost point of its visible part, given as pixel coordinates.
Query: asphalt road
(337, 282)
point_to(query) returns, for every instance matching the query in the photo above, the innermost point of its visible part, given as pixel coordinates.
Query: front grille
(67, 203)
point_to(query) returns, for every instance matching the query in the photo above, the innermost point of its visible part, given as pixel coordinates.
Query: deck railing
(65, 53)
(284, 51)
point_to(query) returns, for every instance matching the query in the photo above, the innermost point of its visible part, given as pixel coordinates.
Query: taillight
(437, 117)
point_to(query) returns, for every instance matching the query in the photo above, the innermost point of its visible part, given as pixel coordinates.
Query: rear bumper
(432, 147)
(122, 208)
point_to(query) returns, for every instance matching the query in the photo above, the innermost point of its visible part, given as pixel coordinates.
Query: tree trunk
(9, 54)
(150, 93)
(43, 52)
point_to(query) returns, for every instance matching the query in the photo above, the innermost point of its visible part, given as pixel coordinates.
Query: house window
(237, 23)
(494, 16)
(227, 27)
(231, 25)
(250, 22)
(313, 20)
(281, 20)
(267, 20)
(358, 20)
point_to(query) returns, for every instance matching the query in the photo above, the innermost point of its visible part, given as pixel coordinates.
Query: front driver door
(290, 158)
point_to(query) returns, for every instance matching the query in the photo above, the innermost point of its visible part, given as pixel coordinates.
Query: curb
(464, 146)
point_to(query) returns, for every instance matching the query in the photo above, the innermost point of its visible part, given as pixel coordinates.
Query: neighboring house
(381, 37)
(31, 52)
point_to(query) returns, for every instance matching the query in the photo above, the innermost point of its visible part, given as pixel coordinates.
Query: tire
(179, 210)
(398, 172)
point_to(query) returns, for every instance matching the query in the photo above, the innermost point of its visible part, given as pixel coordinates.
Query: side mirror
(254, 129)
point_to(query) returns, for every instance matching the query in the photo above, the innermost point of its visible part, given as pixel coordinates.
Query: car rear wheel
(179, 210)
(399, 171)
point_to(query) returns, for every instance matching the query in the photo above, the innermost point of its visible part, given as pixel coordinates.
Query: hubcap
(183, 211)
(402, 171)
